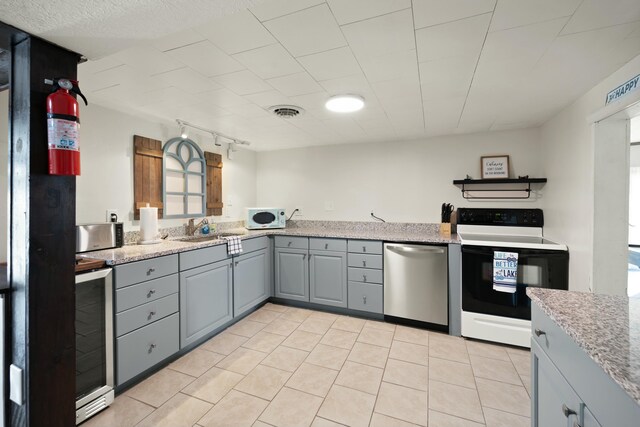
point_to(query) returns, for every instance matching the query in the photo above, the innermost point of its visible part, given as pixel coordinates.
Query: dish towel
(505, 271)
(234, 245)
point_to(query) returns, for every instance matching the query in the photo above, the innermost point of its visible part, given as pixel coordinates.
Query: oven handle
(413, 249)
(522, 252)
(92, 275)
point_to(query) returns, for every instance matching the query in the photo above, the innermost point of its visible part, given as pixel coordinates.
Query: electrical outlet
(300, 211)
(111, 211)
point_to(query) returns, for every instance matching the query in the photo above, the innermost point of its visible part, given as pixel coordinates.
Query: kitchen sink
(206, 238)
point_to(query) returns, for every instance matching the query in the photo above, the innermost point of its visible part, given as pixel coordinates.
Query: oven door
(536, 267)
(94, 335)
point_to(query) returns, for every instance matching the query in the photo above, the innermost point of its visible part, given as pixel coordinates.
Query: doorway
(633, 285)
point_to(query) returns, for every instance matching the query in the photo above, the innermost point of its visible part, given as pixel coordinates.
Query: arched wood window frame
(194, 155)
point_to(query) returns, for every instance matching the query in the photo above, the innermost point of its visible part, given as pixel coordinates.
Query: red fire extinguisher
(63, 123)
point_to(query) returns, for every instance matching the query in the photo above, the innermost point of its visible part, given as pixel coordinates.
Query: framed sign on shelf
(493, 167)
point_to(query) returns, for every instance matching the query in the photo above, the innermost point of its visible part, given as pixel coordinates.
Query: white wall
(567, 143)
(106, 146)
(4, 175)
(399, 181)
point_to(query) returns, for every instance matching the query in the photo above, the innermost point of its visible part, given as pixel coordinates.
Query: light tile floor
(285, 366)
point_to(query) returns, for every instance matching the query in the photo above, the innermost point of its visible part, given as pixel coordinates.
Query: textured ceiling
(425, 67)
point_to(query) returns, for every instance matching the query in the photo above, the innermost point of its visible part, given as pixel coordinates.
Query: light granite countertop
(408, 233)
(606, 327)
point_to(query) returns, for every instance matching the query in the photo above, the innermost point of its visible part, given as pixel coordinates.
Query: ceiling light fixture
(215, 134)
(183, 132)
(345, 103)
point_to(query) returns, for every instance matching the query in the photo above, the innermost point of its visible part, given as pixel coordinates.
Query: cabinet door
(588, 419)
(328, 278)
(205, 300)
(292, 274)
(553, 403)
(250, 280)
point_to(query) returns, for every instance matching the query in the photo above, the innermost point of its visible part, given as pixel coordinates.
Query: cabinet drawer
(291, 242)
(140, 271)
(365, 261)
(552, 339)
(255, 244)
(144, 292)
(145, 347)
(365, 297)
(145, 314)
(192, 259)
(365, 275)
(338, 245)
(365, 246)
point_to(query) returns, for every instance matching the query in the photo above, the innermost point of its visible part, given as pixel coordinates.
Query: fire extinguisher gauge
(65, 84)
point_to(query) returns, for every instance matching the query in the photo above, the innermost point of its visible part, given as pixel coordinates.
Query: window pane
(195, 205)
(173, 163)
(175, 205)
(195, 183)
(195, 167)
(174, 182)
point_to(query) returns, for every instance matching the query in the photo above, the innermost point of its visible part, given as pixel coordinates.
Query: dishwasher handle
(415, 250)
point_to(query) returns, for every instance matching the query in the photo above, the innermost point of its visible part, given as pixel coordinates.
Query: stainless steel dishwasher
(416, 282)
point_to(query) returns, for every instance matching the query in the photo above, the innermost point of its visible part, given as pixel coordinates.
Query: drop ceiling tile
(176, 40)
(249, 111)
(311, 101)
(209, 109)
(460, 38)
(433, 12)
(594, 14)
(269, 61)
(243, 82)
(402, 87)
(331, 64)
(275, 8)
(122, 93)
(206, 59)
(448, 77)
(347, 11)
(148, 60)
(390, 66)
(122, 75)
(381, 36)
(170, 95)
(444, 113)
(357, 84)
(517, 13)
(95, 66)
(237, 32)
(295, 84)
(185, 79)
(223, 98)
(308, 31)
(268, 99)
(344, 126)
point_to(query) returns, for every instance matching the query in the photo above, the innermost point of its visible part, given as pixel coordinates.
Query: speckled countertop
(606, 327)
(393, 232)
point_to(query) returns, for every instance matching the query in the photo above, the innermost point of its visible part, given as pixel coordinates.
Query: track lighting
(184, 134)
(215, 140)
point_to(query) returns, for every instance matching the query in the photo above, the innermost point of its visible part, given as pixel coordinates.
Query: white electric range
(492, 310)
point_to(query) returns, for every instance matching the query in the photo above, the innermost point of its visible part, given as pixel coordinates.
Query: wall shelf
(499, 188)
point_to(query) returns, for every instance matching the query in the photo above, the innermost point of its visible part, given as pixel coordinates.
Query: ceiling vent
(286, 111)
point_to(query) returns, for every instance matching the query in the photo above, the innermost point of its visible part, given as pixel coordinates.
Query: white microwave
(258, 218)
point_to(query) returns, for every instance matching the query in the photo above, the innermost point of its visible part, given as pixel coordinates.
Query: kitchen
(404, 171)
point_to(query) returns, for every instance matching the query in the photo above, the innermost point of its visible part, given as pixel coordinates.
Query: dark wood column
(42, 244)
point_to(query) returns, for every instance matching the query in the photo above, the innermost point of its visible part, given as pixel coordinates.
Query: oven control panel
(508, 217)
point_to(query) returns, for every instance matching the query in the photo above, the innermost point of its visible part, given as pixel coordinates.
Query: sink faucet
(192, 227)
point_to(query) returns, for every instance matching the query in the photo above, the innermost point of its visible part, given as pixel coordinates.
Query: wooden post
(42, 243)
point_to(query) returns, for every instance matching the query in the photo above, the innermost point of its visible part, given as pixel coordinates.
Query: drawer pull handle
(568, 411)
(364, 299)
(364, 263)
(151, 270)
(151, 292)
(364, 249)
(237, 262)
(576, 424)
(304, 256)
(151, 314)
(289, 244)
(364, 277)
(326, 246)
(151, 347)
(539, 332)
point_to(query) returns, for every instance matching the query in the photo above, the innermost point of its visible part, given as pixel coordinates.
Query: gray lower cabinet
(292, 274)
(328, 277)
(251, 284)
(365, 296)
(206, 295)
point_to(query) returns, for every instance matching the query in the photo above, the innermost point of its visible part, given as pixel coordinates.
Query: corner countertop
(606, 327)
(408, 233)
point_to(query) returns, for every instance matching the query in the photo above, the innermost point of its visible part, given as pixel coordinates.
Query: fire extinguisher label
(63, 134)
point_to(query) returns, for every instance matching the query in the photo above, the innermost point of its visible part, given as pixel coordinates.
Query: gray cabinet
(205, 300)
(328, 277)
(251, 284)
(567, 387)
(292, 274)
(365, 289)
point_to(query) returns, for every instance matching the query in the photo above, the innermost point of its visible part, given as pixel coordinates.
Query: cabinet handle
(568, 411)
(304, 256)
(237, 262)
(149, 271)
(289, 244)
(576, 424)
(364, 263)
(151, 314)
(364, 277)
(539, 332)
(364, 249)
(364, 299)
(151, 347)
(151, 292)
(326, 246)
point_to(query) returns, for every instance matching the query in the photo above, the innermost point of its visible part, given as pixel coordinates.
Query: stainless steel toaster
(94, 237)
